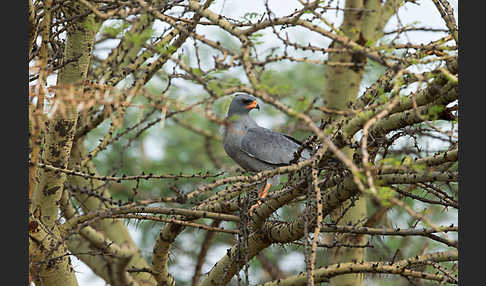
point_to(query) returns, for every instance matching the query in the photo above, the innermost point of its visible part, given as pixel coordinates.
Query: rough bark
(114, 229)
(49, 263)
(340, 92)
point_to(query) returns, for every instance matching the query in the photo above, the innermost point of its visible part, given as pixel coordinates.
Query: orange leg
(261, 194)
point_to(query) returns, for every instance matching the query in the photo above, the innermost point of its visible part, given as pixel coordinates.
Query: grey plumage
(253, 147)
(256, 148)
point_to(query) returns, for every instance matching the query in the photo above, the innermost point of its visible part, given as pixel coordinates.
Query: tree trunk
(341, 89)
(49, 263)
(363, 23)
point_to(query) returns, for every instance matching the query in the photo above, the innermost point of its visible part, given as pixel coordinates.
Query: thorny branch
(411, 102)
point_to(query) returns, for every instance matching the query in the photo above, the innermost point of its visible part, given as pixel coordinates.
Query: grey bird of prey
(253, 147)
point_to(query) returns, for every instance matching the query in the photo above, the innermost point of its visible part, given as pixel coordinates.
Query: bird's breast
(232, 140)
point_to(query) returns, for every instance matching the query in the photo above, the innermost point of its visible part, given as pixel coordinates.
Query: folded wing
(270, 147)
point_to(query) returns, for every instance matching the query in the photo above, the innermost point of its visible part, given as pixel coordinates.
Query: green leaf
(365, 114)
(251, 15)
(328, 131)
(197, 72)
(139, 39)
(91, 24)
(394, 161)
(434, 111)
(370, 43)
(115, 29)
(384, 194)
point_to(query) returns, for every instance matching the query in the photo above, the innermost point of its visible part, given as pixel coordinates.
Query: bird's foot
(261, 195)
(254, 207)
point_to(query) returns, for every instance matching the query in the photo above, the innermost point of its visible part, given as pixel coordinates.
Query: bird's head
(242, 104)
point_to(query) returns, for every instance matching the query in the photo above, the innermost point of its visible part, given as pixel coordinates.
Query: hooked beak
(252, 105)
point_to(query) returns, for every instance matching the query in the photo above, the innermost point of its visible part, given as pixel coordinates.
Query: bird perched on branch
(256, 148)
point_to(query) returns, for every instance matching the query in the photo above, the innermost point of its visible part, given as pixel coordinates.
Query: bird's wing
(269, 146)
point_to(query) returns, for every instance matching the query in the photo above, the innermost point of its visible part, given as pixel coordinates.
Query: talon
(261, 194)
(254, 207)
